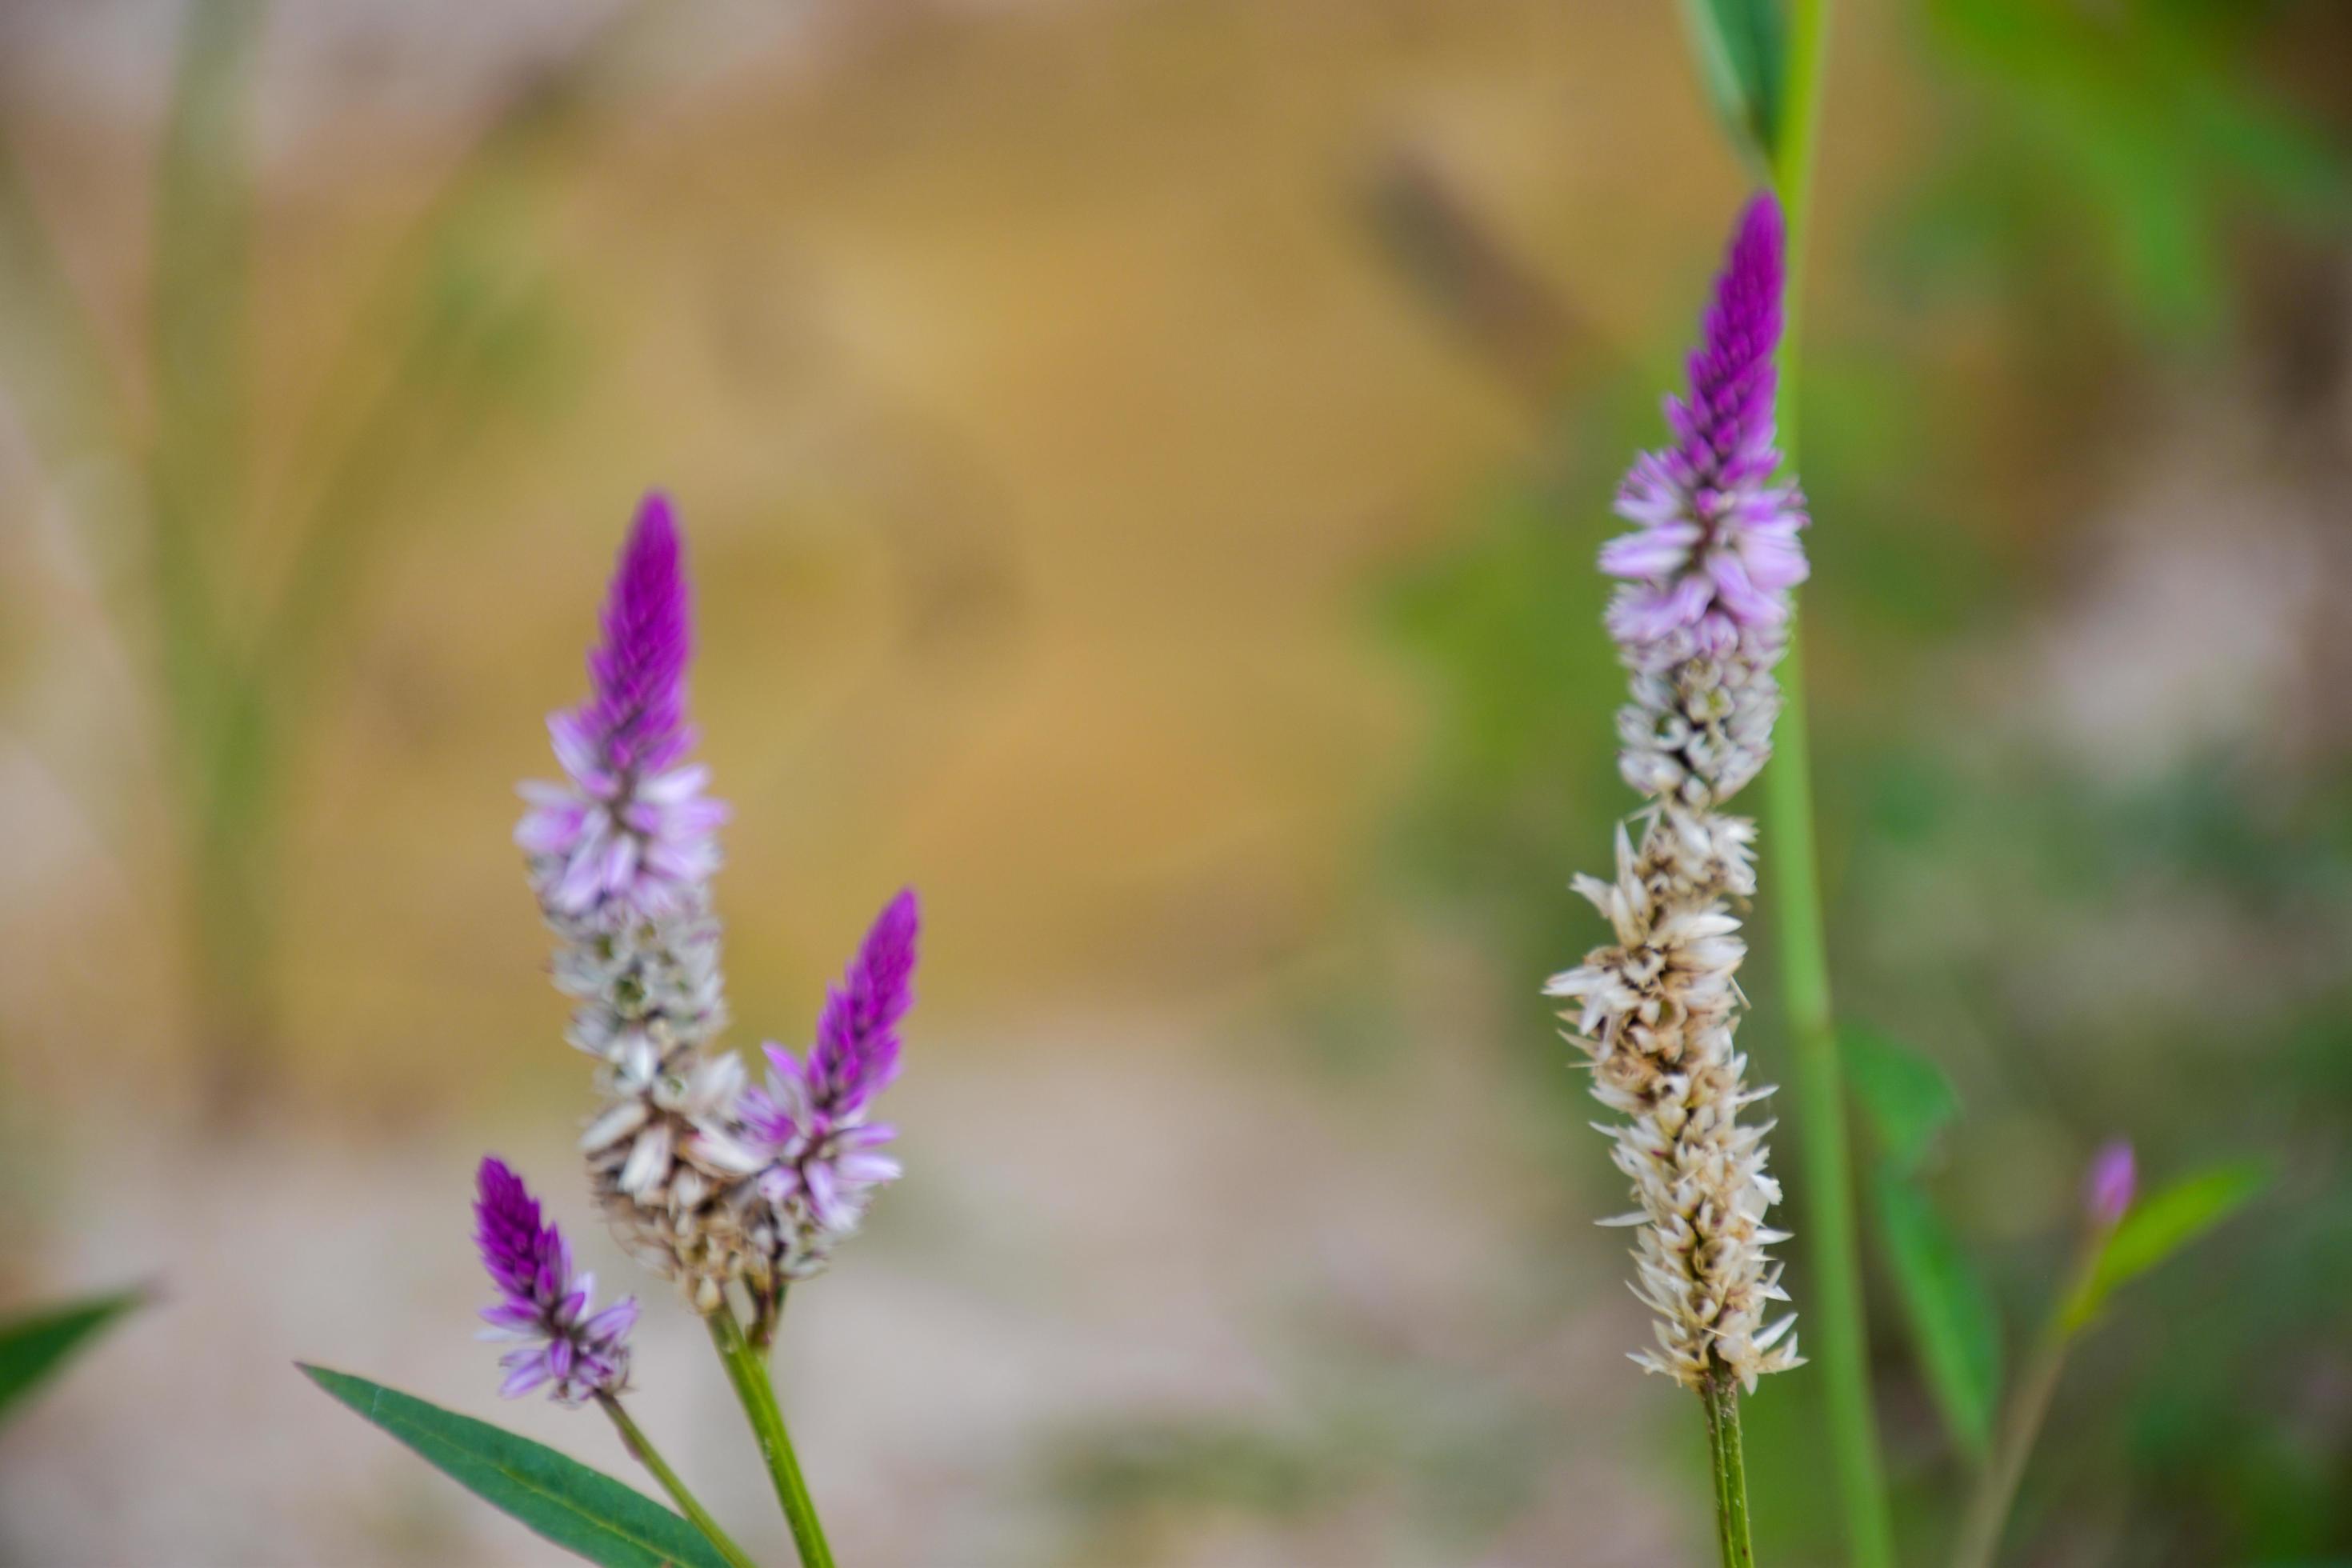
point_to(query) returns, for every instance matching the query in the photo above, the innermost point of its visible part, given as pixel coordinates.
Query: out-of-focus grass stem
(232, 658)
(1835, 1301)
(2021, 1424)
(197, 498)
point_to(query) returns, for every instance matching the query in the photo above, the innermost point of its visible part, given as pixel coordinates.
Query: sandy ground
(1087, 1254)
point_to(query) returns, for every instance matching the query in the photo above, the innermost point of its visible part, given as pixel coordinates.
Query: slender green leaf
(2161, 1225)
(34, 1345)
(583, 1510)
(1906, 1097)
(1740, 46)
(1955, 1326)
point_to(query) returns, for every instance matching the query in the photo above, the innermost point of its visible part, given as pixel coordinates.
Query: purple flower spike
(638, 673)
(1715, 550)
(824, 1158)
(543, 1303)
(632, 832)
(2113, 1180)
(856, 1050)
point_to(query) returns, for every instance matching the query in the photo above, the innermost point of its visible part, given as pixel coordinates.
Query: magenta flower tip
(633, 828)
(1715, 549)
(856, 1051)
(825, 1159)
(2112, 1182)
(638, 673)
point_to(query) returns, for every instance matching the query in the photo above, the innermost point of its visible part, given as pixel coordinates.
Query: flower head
(1699, 622)
(825, 1158)
(2113, 1181)
(632, 832)
(1715, 549)
(542, 1302)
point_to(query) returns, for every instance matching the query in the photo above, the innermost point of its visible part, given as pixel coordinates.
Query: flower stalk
(641, 1449)
(747, 1373)
(1728, 1465)
(1824, 1152)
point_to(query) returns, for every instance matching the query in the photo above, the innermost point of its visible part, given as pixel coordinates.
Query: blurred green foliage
(35, 1345)
(2135, 125)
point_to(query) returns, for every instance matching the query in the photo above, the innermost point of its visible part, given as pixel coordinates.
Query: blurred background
(1142, 461)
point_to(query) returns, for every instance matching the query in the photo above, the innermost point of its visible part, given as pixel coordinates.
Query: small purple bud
(542, 1301)
(2114, 1178)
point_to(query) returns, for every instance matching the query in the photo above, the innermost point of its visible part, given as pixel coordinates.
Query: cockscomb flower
(1699, 624)
(542, 1302)
(824, 1158)
(632, 832)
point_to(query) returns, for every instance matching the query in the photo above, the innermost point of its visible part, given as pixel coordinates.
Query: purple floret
(632, 832)
(1715, 552)
(824, 1158)
(542, 1302)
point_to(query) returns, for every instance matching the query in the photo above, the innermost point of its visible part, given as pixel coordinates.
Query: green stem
(1727, 1461)
(642, 1449)
(2021, 1425)
(1837, 1300)
(749, 1373)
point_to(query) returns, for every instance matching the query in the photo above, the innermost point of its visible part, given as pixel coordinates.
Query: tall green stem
(2020, 1422)
(1727, 1464)
(1996, 1490)
(1837, 1300)
(641, 1449)
(749, 1373)
(197, 492)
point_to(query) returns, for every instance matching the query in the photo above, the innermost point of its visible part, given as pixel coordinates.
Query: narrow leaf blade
(1739, 48)
(33, 1346)
(2162, 1226)
(1906, 1097)
(1955, 1325)
(582, 1510)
